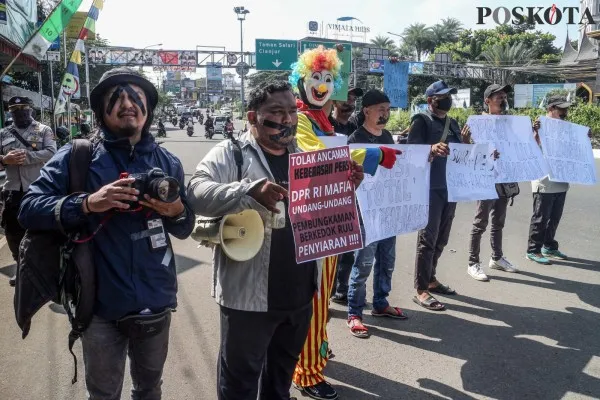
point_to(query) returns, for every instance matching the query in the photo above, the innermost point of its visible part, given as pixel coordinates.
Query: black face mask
(347, 109)
(284, 130)
(382, 120)
(444, 104)
(22, 118)
(504, 106)
(562, 116)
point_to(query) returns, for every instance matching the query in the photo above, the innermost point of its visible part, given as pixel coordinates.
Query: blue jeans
(384, 254)
(342, 274)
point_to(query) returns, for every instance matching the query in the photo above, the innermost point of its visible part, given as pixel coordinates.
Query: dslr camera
(156, 184)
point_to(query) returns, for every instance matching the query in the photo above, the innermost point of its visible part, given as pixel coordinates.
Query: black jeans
(105, 349)
(432, 240)
(497, 209)
(547, 212)
(342, 273)
(261, 346)
(14, 232)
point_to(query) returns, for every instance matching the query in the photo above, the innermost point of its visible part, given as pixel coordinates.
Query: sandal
(430, 303)
(442, 289)
(390, 312)
(357, 328)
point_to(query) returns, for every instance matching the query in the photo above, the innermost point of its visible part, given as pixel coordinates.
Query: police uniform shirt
(43, 146)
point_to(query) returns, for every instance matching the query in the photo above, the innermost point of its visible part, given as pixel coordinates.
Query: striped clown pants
(309, 370)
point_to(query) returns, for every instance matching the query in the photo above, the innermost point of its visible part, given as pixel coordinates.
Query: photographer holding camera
(134, 198)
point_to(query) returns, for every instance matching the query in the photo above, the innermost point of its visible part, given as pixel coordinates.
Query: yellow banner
(75, 25)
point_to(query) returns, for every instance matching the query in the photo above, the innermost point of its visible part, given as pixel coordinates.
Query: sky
(184, 24)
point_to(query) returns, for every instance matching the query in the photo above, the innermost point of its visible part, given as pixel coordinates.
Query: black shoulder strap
(81, 157)
(14, 132)
(238, 156)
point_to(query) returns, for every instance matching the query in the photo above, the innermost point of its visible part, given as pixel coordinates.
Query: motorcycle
(181, 124)
(190, 131)
(209, 132)
(228, 133)
(174, 121)
(162, 132)
(201, 119)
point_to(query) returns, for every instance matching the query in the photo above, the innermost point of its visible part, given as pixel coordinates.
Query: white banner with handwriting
(395, 201)
(470, 172)
(568, 150)
(521, 159)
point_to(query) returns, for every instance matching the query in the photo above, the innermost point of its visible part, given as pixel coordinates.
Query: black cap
(495, 88)
(358, 92)
(439, 88)
(373, 97)
(122, 75)
(20, 101)
(558, 101)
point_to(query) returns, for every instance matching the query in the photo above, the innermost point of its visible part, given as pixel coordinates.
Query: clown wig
(317, 60)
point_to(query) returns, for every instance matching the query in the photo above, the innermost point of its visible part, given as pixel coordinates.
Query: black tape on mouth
(382, 121)
(284, 130)
(133, 95)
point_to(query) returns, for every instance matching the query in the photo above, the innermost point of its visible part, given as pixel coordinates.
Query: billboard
(18, 19)
(214, 76)
(174, 60)
(533, 95)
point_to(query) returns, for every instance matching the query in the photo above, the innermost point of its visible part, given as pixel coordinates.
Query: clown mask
(319, 87)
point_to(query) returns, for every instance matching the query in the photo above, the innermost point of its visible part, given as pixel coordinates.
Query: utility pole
(241, 14)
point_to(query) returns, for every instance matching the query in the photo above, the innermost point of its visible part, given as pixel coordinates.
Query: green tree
(420, 38)
(447, 31)
(262, 78)
(383, 42)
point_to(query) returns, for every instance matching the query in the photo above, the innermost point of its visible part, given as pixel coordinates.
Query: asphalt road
(532, 335)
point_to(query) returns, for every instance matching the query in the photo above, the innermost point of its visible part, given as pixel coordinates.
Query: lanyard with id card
(157, 236)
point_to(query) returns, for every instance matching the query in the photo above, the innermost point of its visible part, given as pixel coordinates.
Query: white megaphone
(240, 235)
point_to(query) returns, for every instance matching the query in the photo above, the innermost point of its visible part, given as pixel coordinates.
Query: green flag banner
(57, 21)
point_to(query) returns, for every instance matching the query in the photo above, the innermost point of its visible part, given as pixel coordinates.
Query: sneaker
(320, 391)
(553, 254)
(477, 273)
(13, 281)
(339, 298)
(538, 258)
(503, 265)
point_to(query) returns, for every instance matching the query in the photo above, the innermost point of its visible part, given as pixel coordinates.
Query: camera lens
(164, 189)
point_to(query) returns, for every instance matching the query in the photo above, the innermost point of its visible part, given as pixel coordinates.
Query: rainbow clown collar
(316, 76)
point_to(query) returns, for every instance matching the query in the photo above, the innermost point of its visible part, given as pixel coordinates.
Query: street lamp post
(241, 14)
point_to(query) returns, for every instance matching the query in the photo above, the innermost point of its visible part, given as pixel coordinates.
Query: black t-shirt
(291, 285)
(344, 129)
(362, 135)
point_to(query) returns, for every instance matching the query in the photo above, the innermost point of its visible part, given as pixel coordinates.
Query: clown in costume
(316, 77)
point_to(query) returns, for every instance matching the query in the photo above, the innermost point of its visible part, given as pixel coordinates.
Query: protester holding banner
(376, 107)
(265, 302)
(496, 102)
(548, 200)
(436, 128)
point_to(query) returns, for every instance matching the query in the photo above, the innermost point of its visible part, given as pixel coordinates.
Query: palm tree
(453, 28)
(504, 55)
(420, 38)
(383, 42)
(474, 51)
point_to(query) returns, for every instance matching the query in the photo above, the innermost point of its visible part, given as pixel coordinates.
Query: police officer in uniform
(24, 148)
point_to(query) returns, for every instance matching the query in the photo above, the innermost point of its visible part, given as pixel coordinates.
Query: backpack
(238, 157)
(508, 191)
(53, 268)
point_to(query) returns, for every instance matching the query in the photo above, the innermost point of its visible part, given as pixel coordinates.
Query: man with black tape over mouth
(266, 301)
(379, 255)
(135, 275)
(24, 148)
